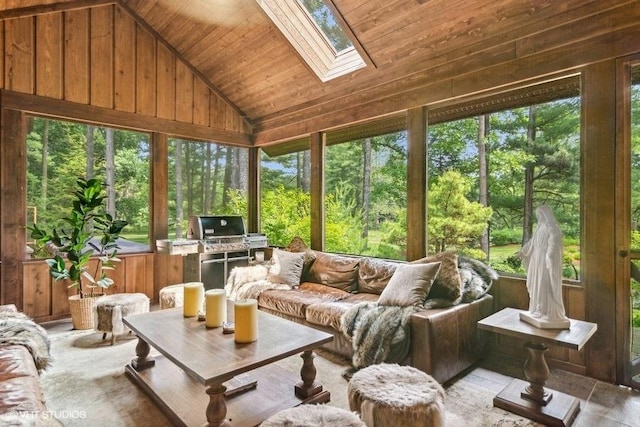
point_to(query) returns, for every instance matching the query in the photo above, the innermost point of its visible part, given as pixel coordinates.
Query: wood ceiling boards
(424, 51)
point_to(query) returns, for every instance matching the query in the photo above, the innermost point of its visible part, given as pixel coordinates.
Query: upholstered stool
(110, 309)
(389, 395)
(172, 296)
(313, 416)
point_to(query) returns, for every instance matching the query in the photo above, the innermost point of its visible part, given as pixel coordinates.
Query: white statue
(542, 258)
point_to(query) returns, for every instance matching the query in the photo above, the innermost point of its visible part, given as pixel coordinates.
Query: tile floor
(601, 404)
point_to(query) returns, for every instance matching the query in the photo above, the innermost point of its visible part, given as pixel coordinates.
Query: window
(365, 201)
(635, 216)
(325, 20)
(285, 204)
(58, 152)
(315, 33)
(635, 159)
(205, 178)
(488, 173)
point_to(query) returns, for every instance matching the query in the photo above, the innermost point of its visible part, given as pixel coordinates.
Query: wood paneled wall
(45, 299)
(101, 56)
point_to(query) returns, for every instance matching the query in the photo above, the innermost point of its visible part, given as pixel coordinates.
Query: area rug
(86, 385)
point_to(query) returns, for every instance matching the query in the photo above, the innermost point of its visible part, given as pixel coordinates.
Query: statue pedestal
(540, 322)
(533, 400)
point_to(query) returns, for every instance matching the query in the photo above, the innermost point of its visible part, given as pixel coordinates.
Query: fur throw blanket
(476, 279)
(18, 328)
(378, 333)
(249, 282)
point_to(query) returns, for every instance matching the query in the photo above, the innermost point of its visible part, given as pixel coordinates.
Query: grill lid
(206, 227)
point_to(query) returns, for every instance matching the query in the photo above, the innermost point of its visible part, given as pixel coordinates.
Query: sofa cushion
(360, 297)
(327, 313)
(19, 381)
(330, 313)
(336, 293)
(409, 285)
(286, 267)
(448, 284)
(374, 274)
(336, 271)
(294, 302)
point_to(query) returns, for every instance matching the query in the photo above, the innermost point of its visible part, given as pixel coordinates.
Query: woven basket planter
(82, 315)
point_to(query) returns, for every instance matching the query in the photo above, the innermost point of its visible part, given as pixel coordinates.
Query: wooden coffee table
(193, 356)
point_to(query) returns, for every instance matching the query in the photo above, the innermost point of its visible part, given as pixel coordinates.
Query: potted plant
(89, 231)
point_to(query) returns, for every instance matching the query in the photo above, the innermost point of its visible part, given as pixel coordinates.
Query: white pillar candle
(193, 298)
(259, 256)
(216, 307)
(246, 320)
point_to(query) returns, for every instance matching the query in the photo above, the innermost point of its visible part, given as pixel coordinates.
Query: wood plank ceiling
(421, 50)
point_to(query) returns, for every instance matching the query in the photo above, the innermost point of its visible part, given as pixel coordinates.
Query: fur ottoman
(389, 395)
(313, 416)
(110, 309)
(172, 296)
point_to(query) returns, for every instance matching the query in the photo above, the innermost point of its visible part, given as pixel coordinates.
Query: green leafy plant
(89, 230)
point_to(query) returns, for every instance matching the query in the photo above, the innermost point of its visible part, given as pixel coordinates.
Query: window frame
(309, 41)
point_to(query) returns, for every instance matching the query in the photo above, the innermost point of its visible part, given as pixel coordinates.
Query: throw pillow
(409, 285)
(448, 284)
(298, 245)
(286, 267)
(334, 270)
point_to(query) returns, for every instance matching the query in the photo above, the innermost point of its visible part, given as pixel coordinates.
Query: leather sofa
(443, 341)
(21, 398)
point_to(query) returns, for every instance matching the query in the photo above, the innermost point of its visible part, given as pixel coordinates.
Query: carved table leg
(531, 399)
(308, 386)
(142, 351)
(217, 408)
(536, 372)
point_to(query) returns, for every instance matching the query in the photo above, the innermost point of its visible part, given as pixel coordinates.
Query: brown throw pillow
(298, 245)
(334, 270)
(448, 284)
(409, 285)
(374, 274)
(286, 267)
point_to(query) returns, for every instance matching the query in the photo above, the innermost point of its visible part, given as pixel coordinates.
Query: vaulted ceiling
(412, 43)
(422, 52)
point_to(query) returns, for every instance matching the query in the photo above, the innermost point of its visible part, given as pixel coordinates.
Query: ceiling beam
(61, 6)
(445, 84)
(112, 118)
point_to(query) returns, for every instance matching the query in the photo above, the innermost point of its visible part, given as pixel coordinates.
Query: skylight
(315, 33)
(325, 20)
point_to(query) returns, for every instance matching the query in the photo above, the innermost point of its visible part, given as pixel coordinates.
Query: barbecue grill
(214, 245)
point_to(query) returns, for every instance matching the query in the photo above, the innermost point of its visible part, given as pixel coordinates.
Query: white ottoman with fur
(313, 416)
(172, 296)
(110, 309)
(389, 395)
